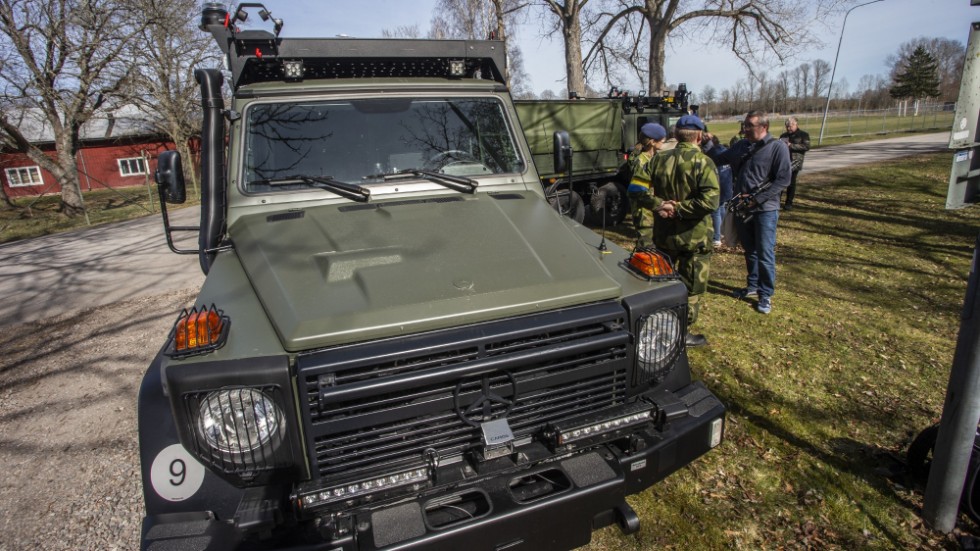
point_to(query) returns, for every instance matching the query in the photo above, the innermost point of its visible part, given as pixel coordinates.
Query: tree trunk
(658, 40)
(187, 161)
(575, 74)
(6, 200)
(71, 193)
(501, 32)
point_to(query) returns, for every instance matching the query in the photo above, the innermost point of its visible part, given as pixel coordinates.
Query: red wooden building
(117, 150)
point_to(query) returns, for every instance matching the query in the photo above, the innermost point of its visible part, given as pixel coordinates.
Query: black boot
(695, 339)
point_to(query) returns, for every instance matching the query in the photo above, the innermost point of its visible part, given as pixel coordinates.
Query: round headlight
(660, 339)
(239, 420)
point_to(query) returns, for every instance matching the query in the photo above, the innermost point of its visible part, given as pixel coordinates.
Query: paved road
(96, 266)
(841, 156)
(61, 273)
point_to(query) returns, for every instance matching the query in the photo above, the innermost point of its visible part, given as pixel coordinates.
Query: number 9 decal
(176, 475)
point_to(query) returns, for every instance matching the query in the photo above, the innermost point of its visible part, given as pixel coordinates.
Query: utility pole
(961, 411)
(830, 88)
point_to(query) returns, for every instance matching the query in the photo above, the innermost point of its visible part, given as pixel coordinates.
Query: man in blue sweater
(757, 160)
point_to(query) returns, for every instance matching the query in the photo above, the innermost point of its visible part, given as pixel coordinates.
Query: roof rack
(667, 100)
(262, 56)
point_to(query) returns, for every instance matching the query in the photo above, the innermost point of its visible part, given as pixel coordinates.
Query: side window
(132, 167)
(24, 176)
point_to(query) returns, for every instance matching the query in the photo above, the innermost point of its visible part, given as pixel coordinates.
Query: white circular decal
(963, 124)
(176, 475)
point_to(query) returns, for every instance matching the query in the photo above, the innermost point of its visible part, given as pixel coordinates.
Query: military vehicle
(602, 131)
(399, 343)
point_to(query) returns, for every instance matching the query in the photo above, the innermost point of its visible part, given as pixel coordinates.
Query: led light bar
(591, 429)
(417, 478)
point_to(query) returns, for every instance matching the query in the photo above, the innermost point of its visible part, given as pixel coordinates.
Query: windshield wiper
(350, 191)
(458, 183)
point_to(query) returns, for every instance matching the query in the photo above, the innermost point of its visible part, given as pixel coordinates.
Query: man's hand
(667, 209)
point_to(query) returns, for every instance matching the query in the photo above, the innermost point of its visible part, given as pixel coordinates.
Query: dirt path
(68, 387)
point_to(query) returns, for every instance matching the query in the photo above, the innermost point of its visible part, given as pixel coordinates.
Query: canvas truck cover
(595, 130)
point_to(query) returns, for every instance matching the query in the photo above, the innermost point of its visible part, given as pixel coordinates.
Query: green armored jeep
(399, 343)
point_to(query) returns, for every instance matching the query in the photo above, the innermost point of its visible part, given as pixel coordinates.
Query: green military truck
(602, 131)
(399, 343)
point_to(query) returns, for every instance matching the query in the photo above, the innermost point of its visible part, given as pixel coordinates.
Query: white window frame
(16, 176)
(132, 166)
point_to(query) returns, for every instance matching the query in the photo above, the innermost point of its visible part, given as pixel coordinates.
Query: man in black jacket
(799, 143)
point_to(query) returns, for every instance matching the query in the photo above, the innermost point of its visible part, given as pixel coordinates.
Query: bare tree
(803, 89)
(479, 20)
(66, 59)
(821, 77)
(752, 29)
(164, 86)
(708, 94)
(783, 82)
(402, 31)
(567, 19)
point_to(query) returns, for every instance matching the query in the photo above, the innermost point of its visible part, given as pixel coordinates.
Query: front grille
(372, 407)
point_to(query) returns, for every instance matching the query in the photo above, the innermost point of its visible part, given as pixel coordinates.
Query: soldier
(652, 137)
(684, 192)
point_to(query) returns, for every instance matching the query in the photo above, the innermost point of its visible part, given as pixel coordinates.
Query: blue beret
(653, 131)
(690, 122)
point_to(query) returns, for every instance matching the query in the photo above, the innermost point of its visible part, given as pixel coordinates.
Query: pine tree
(919, 79)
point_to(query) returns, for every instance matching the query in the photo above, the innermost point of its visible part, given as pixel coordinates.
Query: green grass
(846, 129)
(825, 393)
(37, 216)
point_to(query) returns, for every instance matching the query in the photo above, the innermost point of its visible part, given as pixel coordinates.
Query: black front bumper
(588, 491)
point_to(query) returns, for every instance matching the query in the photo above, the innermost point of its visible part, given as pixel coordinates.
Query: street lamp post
(830, 88)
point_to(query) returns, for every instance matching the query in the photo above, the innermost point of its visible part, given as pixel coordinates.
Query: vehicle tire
(919, 461)
(919, 457)
(610, 197)
(571, 204)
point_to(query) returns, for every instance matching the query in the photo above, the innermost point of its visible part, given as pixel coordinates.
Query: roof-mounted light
(293, 69)
(457, 68)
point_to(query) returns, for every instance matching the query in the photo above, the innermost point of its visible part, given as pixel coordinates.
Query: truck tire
(572, 205)
(919, 462)
(610, 197)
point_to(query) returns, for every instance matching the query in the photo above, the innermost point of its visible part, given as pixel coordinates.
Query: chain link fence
(860, 122)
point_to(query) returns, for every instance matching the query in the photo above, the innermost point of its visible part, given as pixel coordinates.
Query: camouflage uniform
(638, 193)
(688, 176)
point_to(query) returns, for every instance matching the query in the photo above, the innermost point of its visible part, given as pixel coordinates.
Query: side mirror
(170, 178)
(562, 151)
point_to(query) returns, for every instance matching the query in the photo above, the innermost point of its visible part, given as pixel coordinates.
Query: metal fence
(856, 122)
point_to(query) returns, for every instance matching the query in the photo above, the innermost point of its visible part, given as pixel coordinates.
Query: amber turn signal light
(651, 264)
(198, 331)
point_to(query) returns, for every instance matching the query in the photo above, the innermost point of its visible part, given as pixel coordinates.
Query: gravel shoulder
(68, 388)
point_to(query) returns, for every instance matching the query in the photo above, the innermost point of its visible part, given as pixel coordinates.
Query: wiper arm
(350, 191)
(458, 183)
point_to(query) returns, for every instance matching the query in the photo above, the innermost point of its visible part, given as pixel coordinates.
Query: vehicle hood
(337, 274)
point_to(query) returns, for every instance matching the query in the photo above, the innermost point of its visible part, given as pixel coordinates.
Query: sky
(872, 33)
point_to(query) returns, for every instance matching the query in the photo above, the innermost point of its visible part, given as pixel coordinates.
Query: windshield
(361, 141)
